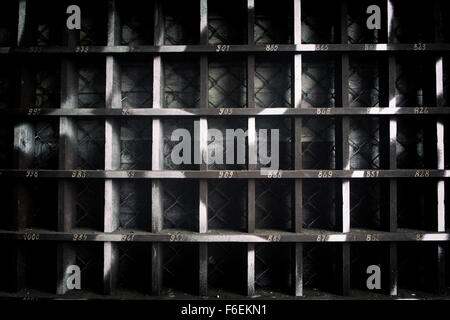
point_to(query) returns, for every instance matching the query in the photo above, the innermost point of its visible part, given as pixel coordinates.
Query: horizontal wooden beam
(259, 236)
(33, 174)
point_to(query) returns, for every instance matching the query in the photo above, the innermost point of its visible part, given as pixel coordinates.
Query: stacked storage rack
(87, 176)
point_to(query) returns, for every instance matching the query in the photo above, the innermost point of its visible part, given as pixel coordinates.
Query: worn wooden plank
(251, 269)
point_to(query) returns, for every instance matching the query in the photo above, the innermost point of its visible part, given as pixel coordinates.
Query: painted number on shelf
(275, 174)
(32, 174)
(225, 174)
(321, 47)
(272, 47)
(371, 173)
(325, 174)
(176, 237)
(31, 236)
(420, 46)
(421, 110)
(131, 173)
(274, 238)
(225, 111)
(79, 237)
(422, 174)
(222, 48)
(33, 111)
(323, 111)
(79, 174)
(322, 238)
(127, 237)
(82, 49)
(372, 237)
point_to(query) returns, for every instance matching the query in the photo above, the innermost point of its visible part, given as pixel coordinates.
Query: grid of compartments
(87, 128)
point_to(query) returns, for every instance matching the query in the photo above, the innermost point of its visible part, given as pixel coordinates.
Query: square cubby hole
(47, 27)
(365, 89)
(90, 144)
(318, 82)
(180, 203)
(320, 267)
(320, 23)
(8, 71)
(227, 22)
(417, 204)
(274, 204)
(273, 25)
(357, 17)
(227, 269)
(274, 139)
(136, 22)
(227, 205)
(369, 203)
(181, 81)
(273, 268)
(364, 141)
(9, 217)
(227, 144)
(363, 256)
(417, 269)
(91, 83)
(180, 137)
(180, 269)
(412, 24)
(319, 204)
(181, 22)
(135, 205)
(227, 82)
(273, 82)
(8, 271)
(318, 143)
(134, 268)
(136, 87)
(38, 267)
(413, 87)
(89, 204)
(416, 143)
(89, 258)
(8, 23)
(94, 22)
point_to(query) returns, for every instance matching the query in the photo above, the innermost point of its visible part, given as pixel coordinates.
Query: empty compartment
(273, 270)
(134, 269)
(364, 81)
(89, 205)
(318, 82)
(417, 204)
(90, 144)
(416, 143)
(368, 202)
(7, 83)
(8, 271)
(178, 145)
(319, 208)
(274, 204)
(91, 83)
(8, 23)
(94, 22)
(320, 21)
(273, 26)
(136, 22)
(227, 22)
(412, 24)
(46, 28)
(136, 86)
(413, 87)
(180, 203)
(357, 18)
(8, 218)
(364, 141)
(181, 22)
(318, 143)
(273, 82)
(135, 205)
(320, 268)
(226, 269)
(274, 144)
(227, 82)
(418, 270)
(181, 82)
(37, 265)
(180, 269)
(227, 205)
(227, 144)
(135, 144)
